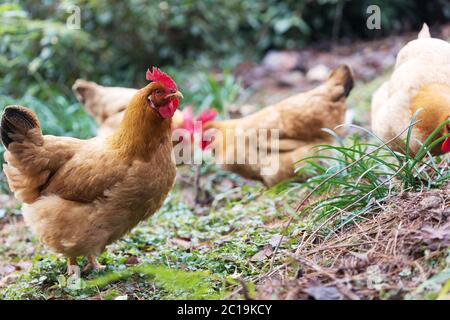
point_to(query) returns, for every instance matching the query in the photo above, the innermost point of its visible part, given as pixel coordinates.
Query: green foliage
(39, 56)
(217, 91)
(183, 284)
(118, 40)
(358, 177)
(59, 116)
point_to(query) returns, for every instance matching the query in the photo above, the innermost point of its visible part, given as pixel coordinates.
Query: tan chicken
(298, 120)
(80, 195)
(107, 104)
(420, 81)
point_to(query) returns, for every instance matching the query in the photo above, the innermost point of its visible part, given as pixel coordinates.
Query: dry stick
(297, 208)
(244, 289)
(342, 245)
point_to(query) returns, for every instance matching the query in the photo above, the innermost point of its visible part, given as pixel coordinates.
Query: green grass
(354, 176)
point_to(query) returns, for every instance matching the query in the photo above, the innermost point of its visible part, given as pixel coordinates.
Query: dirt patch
(397, 253)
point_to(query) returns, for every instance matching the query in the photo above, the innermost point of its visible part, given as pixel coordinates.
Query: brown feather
(81, 195)
(299, 119)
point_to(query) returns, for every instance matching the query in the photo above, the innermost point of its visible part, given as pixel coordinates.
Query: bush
(118, 40)
(139, 32)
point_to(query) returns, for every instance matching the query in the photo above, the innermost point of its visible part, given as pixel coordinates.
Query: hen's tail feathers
(82, 88)
(425, 32)
(17, 121)
(342, 75)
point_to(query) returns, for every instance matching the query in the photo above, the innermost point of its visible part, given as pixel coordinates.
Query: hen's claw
(72, 268)
(93, 264)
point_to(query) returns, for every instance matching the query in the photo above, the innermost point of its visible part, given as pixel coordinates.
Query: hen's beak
(177, 94)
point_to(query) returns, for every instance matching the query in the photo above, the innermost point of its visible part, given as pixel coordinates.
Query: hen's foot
(93, 264)
(72, 268)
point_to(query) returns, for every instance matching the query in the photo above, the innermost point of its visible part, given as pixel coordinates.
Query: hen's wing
(87, 175)
(40, 165)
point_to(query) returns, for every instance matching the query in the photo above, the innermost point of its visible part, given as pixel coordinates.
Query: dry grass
(389, 254)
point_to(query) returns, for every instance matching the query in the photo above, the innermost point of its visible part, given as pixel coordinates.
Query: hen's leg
(93, 264)
(72, 268)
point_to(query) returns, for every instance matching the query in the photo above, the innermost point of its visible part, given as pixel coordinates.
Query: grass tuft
(354, 176)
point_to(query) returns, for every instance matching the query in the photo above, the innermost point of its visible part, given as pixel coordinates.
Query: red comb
(446, 145)
(206, 115)
(158, 75)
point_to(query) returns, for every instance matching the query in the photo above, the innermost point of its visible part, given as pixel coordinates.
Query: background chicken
(299, 119)
(107, 104)
(81, 195)
(420, 81)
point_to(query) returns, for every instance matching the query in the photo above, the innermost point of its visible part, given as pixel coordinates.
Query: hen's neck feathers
(142, 130)
(434, 99)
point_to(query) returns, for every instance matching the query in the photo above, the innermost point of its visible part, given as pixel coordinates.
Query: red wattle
(168, 110)
(446, 145)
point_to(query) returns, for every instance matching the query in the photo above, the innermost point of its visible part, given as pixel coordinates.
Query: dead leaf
(430, 202)
(132, 260)
(324, 293)
(182, 243)
(276, 239)
(361, 256)
(442, 233)
(262, 254)
(7, 269)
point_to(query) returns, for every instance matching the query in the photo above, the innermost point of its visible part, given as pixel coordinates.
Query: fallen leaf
(324, 293)
(132, 260)
(262, 254)
(430, 202)
(181, 242)
(361, 256)
(7, 269)
(276, 239)
(441, 234)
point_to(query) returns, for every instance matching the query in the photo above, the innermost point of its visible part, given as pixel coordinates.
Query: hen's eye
(157, 91)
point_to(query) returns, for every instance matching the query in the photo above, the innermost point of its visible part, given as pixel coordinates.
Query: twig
(244, 289)
(342, 245)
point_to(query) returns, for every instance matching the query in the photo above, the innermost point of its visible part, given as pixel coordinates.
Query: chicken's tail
(342, 76)
(15, 124)
(84, 90)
